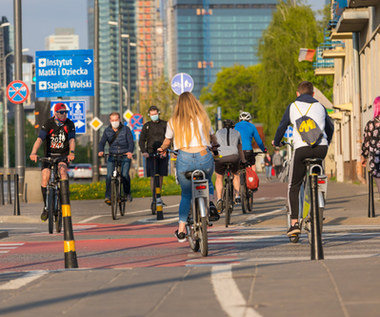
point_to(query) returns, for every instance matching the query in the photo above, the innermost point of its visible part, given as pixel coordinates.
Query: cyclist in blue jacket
(248, 132)
(120, 140)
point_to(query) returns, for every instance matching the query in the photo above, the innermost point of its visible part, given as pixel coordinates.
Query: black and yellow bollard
(69, 243)
(160, 214)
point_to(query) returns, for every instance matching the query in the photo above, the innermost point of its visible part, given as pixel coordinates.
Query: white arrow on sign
(88, 61)
(79, 124)
(78, 107)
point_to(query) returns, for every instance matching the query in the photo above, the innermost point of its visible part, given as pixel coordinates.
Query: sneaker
(129, 197)
(219, 206)
(44, 214)
(295, 229)
(107, 201)
(214, 215)
(237, 200)
(181, 236)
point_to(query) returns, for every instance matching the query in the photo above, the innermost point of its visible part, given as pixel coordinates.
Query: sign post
(182, 82)
(17, 92)
(64, 73)
(77, 113)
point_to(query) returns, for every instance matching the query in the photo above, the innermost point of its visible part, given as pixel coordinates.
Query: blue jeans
(189, 162)
(268, 171)
(125, 165)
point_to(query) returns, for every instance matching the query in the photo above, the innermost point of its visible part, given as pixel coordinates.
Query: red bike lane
(111, 246)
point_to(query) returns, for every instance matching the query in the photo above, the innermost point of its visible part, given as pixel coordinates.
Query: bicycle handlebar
(54, 159)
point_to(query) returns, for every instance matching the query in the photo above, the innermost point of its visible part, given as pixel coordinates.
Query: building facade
(109, 46)
(63, 39)
(356, 24)
(203, 36)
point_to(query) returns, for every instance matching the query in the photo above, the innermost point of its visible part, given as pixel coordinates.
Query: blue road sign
(77, 113)
(289, 132)
(64, 73)
(182, 82)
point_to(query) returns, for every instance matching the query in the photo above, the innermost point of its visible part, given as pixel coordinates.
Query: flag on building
(306, 54)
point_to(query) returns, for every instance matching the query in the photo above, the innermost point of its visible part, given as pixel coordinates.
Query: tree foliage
(233, 90)
(293, 27)
(159, 95)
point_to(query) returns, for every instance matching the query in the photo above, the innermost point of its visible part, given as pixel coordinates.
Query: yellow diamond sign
(127, 115)
(96, 123)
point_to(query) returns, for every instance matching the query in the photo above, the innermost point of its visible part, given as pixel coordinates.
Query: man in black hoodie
(151, 137)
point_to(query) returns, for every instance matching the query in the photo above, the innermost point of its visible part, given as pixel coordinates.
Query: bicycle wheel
(227, 203)
(58, 213)
(50, 208)
(202, 222)
(114, 198)
(121, 200)
(250, 200)
(244, 198)
(192, 237)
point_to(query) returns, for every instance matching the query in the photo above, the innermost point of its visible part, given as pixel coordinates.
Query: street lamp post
(5, 114)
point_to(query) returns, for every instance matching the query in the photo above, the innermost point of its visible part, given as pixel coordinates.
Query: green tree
(159, 95)
(293, 27)
(234, 90)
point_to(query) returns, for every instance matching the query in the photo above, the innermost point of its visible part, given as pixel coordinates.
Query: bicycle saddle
(197, 175)
(311, 161)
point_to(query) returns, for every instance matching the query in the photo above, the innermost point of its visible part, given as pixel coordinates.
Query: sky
(41, 17)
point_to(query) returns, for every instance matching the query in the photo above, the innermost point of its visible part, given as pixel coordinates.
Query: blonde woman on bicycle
(190, 131)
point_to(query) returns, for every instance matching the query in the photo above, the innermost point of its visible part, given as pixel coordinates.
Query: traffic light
(42, 113)
(33, 73)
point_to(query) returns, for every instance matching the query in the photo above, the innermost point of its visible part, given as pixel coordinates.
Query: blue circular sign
(182, 82)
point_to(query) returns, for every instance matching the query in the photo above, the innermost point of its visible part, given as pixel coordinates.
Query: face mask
(115, 124)
(154, 117)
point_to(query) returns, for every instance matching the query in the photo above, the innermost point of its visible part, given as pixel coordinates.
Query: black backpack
(309, 130)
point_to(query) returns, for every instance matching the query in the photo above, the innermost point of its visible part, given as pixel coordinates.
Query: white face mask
(115, 124)
(154, 117)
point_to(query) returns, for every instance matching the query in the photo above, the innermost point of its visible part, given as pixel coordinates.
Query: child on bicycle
(58, 133)
(230, 151)
(304, 103)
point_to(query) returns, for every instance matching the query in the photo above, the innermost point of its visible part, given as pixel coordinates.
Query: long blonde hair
(189, 109)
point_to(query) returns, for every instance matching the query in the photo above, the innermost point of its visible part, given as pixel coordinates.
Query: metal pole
(121, 63)
(371, 199)
(2, 188)
(19, 109)
(95, 134)
(9, 189)
(5, 119)
(129, 73)
(16, 210)
(316, 234)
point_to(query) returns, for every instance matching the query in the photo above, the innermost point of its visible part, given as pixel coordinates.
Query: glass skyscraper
(202, 36)
(109, 50)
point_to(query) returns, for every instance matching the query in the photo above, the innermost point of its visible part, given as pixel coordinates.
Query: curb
(3, 234)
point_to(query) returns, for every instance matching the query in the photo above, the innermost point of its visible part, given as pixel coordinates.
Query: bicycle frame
(116, 180)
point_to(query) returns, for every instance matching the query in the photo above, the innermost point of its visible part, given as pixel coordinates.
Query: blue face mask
(154, 117)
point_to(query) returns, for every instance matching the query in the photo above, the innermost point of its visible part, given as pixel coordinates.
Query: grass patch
(140, 187)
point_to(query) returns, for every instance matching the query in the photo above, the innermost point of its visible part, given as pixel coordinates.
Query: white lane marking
(228, 294)
(268, 198)
(10, 244)
(91, 218)
(265, 214)
(22, 281)
(127, 213)
(6, 247)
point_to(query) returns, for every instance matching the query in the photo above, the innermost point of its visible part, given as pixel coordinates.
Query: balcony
(352, 20)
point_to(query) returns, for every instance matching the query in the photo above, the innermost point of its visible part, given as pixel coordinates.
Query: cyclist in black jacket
(151, 137)
(58, 133)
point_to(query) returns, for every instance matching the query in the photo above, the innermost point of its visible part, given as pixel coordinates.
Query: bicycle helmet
(228, 124)
(245, 116)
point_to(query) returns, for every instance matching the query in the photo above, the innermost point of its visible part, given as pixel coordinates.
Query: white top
(169, 134)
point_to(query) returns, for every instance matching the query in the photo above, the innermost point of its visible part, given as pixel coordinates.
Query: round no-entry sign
(17, 91)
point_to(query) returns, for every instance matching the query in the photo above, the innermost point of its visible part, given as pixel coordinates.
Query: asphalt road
(135, 267)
